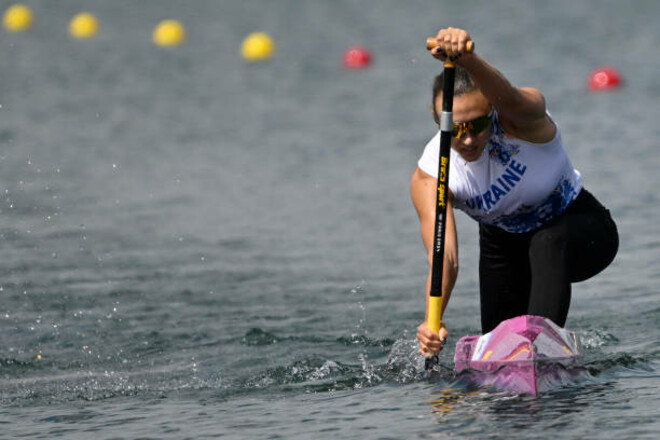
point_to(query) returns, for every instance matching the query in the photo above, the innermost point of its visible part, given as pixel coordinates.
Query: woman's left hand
(431, 342)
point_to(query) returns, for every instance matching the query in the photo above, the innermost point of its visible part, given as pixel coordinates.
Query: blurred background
(197, 245)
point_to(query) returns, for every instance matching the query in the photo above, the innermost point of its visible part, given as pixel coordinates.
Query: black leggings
(531, 273)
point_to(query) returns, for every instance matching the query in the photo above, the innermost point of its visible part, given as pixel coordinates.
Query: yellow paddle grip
(435, 313)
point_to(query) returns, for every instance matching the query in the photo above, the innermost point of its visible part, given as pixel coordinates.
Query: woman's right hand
(431, 342)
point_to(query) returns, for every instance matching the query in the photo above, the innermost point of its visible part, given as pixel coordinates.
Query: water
(193, 247)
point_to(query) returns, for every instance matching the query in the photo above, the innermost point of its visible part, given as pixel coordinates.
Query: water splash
(257, 337)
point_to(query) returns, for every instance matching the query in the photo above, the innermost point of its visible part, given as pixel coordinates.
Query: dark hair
(462, 84)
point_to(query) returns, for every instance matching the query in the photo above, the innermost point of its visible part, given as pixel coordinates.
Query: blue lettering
(497, 192)
(517, 167)
(480, 202)
(510, 178)
(506, 188)
(488, 200)
(505, 183)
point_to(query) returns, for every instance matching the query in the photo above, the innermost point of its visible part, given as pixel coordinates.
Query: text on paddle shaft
(503, 185)
(442, 182)
(442, 211)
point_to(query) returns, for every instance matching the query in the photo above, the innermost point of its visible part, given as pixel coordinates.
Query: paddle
(434, 321)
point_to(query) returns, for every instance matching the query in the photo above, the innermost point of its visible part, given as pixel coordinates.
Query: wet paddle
(446, 123)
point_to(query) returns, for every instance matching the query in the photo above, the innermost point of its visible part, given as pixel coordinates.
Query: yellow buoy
(169, 33)
(83, 25)
(17, 18)
(257, 46)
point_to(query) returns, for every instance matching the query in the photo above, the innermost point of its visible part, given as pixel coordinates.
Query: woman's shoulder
(542, 132)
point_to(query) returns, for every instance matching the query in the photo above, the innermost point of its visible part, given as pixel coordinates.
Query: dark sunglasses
(474, 127)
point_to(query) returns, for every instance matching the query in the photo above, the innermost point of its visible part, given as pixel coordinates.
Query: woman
(539, 229)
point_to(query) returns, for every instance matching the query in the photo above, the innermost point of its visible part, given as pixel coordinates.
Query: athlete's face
(468, 107)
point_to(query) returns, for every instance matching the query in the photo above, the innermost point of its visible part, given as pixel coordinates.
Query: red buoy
(357, 58)
(604, 78)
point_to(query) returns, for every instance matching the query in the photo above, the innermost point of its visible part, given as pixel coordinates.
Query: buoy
(17, 18)
(257, 46)
(83, 25)
(169, 33)
(357, 58)
(604, 78)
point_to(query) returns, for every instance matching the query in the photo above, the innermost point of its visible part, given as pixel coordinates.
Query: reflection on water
(498, 414)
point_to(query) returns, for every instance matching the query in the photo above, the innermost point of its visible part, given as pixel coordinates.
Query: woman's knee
(600, 246)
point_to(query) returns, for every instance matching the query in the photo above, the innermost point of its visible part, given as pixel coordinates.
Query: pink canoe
(527, 355)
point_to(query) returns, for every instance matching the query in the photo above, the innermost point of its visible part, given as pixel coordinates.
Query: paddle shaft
(434, 318)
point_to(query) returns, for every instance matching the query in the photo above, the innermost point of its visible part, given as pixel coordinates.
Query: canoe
(526, 355)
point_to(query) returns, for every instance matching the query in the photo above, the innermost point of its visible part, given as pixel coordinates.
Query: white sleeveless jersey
(515, 185)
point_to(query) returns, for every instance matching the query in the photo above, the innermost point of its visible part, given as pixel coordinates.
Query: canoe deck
(526, 354)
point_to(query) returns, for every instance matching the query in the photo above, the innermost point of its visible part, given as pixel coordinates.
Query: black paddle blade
(430, 363)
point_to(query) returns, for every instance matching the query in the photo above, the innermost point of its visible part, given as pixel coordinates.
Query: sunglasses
(474, 127)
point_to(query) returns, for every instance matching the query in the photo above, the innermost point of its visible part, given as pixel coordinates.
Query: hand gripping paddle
(434, 321)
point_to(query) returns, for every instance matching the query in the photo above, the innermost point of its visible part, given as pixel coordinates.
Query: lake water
(195, 247)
